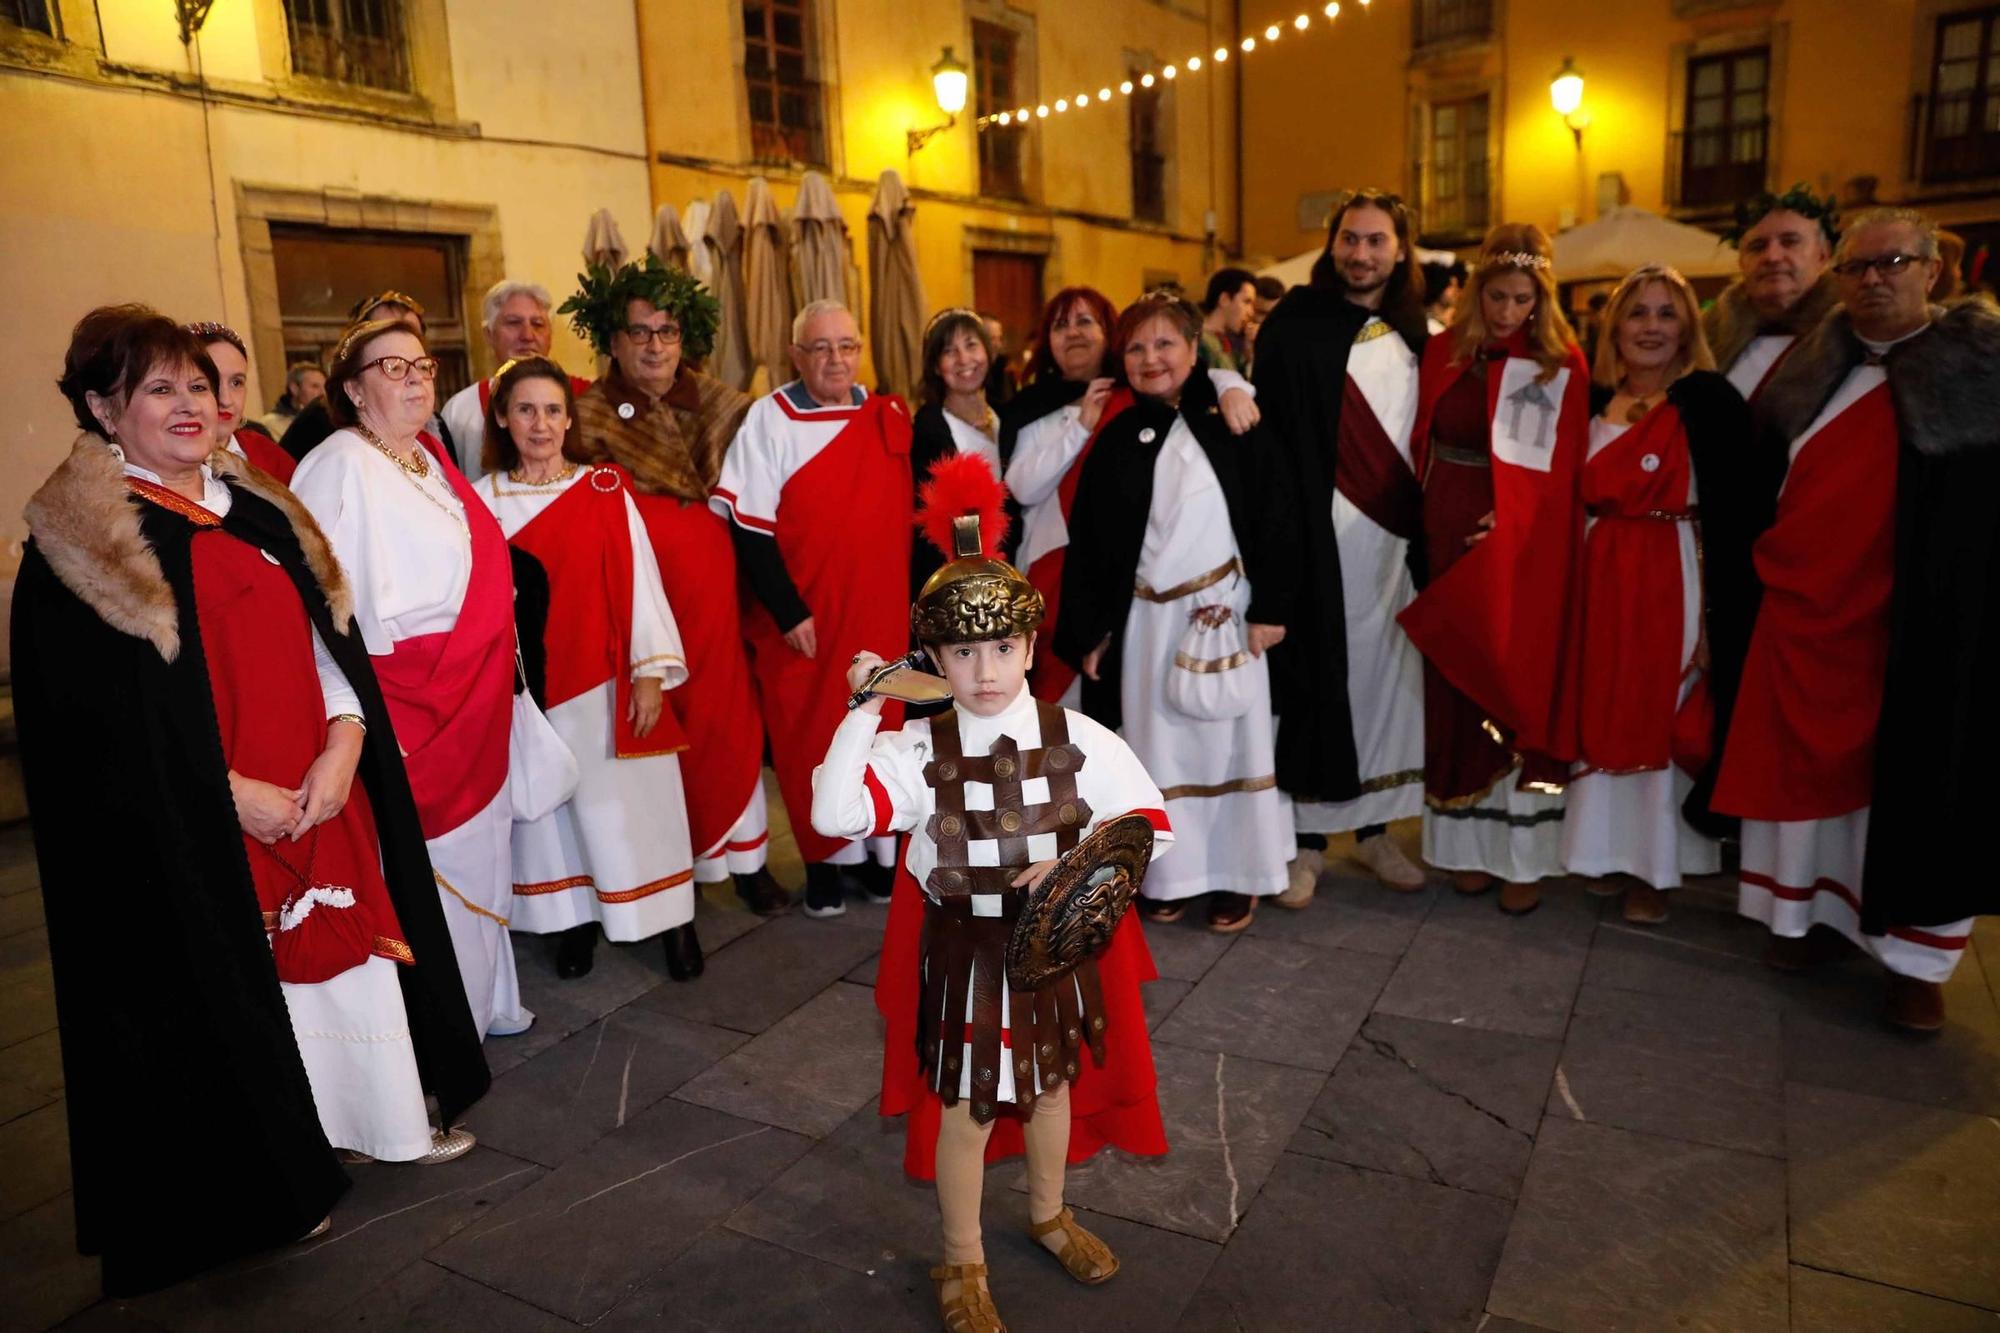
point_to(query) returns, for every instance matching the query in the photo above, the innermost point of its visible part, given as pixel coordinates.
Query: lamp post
(949, 79)
(1566, 96)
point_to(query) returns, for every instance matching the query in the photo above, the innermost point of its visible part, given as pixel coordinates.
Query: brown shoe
(1917, 1006)
(1381, 855)
(1471, 883)
(1797, 953)
(1085, 1257)
(1302, 878)
(1229, 913)
(971, 1310)
(1644, 904)
(1520, 899)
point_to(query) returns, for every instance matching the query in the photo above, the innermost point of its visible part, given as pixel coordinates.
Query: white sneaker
(1303, 878)
(1381, 855)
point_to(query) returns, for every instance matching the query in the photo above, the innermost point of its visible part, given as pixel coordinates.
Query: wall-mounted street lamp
(949, 78)
(1566, 96)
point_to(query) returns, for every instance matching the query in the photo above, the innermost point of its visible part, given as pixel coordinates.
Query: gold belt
(1234, 565)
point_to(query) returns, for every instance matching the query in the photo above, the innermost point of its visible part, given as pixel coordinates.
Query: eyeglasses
(399, 367)
(641, 334)
(1886, 265)
(823, 349)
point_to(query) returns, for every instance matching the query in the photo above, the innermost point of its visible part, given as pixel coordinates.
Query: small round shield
(1070, 915)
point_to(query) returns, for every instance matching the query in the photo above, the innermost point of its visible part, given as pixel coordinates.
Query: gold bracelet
(355, 718)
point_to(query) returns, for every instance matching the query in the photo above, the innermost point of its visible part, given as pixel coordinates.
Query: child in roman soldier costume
(991, 793)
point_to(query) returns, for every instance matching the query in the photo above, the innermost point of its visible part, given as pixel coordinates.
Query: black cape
(193, 1133)
(1737, 478)
(1107, 527)
(1301, 375)
(930, 442)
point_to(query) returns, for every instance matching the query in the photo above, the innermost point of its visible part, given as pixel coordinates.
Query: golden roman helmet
(976, 595)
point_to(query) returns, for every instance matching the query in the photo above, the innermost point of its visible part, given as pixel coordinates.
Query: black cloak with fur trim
(193, 1133)
(1937, 746)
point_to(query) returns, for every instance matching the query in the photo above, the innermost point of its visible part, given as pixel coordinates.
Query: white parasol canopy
(1626, 237)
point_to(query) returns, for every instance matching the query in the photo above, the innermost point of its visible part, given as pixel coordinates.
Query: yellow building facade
(1687, 106)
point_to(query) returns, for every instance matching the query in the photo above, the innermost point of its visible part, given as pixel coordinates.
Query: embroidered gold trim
(1389, 781)
(653, 754)
(1191, 789)
(555, 886)
(647, 890)
(395, 949)
(1208, 664)
(1373, 329)
(270, 922)
(470, 905)
(656, 659)
(1193, 585)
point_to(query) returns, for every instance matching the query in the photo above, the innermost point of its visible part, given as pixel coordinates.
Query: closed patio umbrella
(895, 290)
(722, 239)
(695, 223)
(822, 253)
(602, 242)
(767, 287)
(668, 243)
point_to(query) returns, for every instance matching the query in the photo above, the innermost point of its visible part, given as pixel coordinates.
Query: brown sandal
(972, 1310)
(1086, 1258)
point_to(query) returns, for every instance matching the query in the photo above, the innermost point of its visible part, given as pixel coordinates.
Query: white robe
(1630, 823)
(404, 545)
(352, 1030)
(1385, 672)
(1232, 824)
(1754, 362)
(618, 852)
(1111, 781)
(467, 424)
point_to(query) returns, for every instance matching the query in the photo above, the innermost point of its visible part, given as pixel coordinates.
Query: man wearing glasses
(1860, 752)
(817, 487)
(1782, 245)
(515, 317)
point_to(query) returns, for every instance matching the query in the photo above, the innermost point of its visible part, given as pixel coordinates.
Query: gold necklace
(419, 468)
(519, 478)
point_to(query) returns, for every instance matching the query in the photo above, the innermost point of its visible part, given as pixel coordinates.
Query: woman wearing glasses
(433, 598)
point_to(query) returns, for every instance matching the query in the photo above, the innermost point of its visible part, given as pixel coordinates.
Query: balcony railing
(1456, 200)
(1719, 165)
(1436, 22)
(1954, 137)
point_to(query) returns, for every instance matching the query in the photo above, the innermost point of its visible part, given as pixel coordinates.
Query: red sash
(717, 707)
(1369, 470)
(1802, 739)
(451, 694)
(843, 529)
(1051, 676)
(265, 455)
(270, 714)
(1633, 603)
(1500, 623)
(583, 541)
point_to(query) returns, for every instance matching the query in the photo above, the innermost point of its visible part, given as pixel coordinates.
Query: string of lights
(1192, 65)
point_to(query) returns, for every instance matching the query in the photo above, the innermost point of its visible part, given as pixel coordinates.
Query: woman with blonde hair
(1502, 422)
(1669, 592)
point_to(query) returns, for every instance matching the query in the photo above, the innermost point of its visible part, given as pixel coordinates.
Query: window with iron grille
(1149, 158)
(1457, 192)
(1964, 124)
(785, 101)
(1452, 20)
(30, 14)
(357, 42)
(1724, 147)
(997, 86)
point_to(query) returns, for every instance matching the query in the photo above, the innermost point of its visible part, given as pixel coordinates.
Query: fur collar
(1945, 382)
(89, 531)
(1732, 321)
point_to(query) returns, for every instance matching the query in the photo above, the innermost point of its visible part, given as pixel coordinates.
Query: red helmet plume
(960, 486)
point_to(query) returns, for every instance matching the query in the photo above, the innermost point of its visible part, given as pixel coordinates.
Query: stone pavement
(1387, 1112)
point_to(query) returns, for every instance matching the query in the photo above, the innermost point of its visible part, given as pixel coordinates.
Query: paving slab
(35, 1148)
(1450, 1105)
(1684, 1068)
(20, 912)
(1228, 1118)
(1282, 1002)
(19, 872)
(1616, 1230)
(1329, 1246)
(384, 1224)
(1353, 912)
(619, 974)
(863, 972)
(578, 1240)
(807, 1073)
(1471, 964)
(1831, 1301)
(594, 1081)
(27, 993)
(424, 1298)
(704, 1290)
(44, 1280)
(31, 1075)
(1162, 996)
(1187, 948)
(1895, 1193)
(1835, 1038)
(1703, 948)
(762, 977)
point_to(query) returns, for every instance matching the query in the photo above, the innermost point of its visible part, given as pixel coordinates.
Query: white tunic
(1234, 826)
(1630, 823)
(847, 805)
(1385, 673)
(405, 546)
(352, 1030)
(770, 447)
(618, 851)
(1754, 362)
(467, 423)
(969, 439)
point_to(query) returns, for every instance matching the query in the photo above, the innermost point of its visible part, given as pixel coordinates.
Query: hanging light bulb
(1221, 55)
(1249, 44)
(1083, 99)
(1168, 72)
(1272, 33)
(1062, 104)
(1332, 11)
(1302, 23)
(1126, 87)
(1003, 118)
(1193, 63)
(1042, 111)
(1103, 94)
(1146, 79)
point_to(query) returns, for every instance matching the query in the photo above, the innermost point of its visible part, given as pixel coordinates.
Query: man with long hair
(1337, 380)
